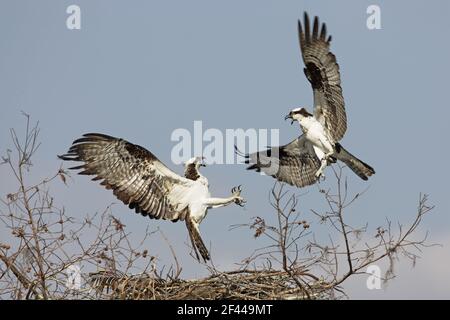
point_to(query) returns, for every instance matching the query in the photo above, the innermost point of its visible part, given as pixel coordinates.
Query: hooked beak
(289, 116)
(202, 162)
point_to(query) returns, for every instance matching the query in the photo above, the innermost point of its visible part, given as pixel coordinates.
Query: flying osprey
(146, 185)
(301, 162)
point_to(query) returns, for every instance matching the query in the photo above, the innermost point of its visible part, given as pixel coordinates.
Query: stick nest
(243, 285)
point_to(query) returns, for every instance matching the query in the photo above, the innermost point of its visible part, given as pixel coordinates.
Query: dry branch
(44, 241)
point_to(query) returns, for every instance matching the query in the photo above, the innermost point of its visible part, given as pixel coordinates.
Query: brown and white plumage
(141, 181)
(322, 71)
(295, 163)
(301, 162)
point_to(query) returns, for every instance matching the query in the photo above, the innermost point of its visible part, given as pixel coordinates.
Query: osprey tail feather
(362, 169)
(196, 239)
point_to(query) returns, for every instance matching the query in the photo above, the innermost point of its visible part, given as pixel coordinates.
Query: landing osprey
(301, 162)
(146, 185)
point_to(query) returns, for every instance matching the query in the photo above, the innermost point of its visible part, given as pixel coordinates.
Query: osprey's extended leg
(323, 164)
(221, 202)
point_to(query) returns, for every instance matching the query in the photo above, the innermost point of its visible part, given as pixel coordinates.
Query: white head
(298, 114)
(191, 167)
(195, 161)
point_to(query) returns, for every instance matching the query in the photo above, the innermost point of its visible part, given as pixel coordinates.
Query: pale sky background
(141, 69)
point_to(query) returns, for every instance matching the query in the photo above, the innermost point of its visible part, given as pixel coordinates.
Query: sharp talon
(239, 188)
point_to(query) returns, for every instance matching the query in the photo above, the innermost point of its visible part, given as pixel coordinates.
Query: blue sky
(139, 70)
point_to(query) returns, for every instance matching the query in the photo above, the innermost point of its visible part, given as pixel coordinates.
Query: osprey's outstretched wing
(322, 71)
(295, 163)
(134, 174)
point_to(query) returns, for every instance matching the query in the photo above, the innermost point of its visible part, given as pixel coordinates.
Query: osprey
(301, 162)
(146, 185)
